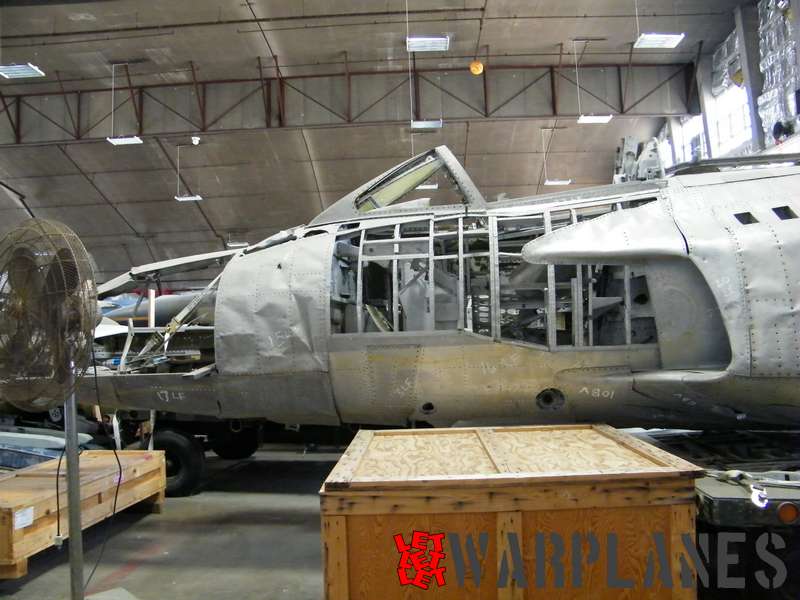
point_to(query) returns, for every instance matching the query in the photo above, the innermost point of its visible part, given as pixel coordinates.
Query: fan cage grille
(48, 311)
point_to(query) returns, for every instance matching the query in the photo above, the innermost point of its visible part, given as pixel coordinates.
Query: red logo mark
(419, 559)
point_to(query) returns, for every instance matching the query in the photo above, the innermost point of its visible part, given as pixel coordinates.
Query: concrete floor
(253, 532)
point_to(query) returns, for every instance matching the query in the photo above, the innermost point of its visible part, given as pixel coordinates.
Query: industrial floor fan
(48, 311)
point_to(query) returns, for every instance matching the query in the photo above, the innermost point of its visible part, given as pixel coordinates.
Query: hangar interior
(160, 130)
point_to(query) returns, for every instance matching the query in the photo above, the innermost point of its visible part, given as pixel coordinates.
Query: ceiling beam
(323, 101)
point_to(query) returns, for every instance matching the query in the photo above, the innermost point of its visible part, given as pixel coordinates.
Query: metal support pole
(73, 493)
(151, 323)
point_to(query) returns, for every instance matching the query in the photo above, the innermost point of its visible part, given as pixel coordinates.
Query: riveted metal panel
(748, 267)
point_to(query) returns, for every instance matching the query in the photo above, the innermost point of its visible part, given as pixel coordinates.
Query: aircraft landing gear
(236, 445)
(186, 461)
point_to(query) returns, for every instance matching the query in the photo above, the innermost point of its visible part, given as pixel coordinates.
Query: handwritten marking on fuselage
(598, 392)
(168, 396)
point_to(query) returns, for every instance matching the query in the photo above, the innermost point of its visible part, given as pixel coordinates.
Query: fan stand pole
(73, 492)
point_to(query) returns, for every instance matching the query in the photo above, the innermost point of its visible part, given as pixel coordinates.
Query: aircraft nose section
(272, 309)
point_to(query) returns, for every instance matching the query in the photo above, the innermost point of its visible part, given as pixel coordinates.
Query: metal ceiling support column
(141, 110)
(66, 103)
(317, 102)
(13, 122)
(49, 119)
(486, 84)
(231, 108)
(381, 99)
(706, 100)
(78, 116)
(349, 111)
(624, 92)
(266, 94)
(452, 95)
(554, 79)
(747, 34)
(18, 119)
(692, 87)
(656, 88)
(589, 92)
(522, 91)
(281, 93)
(136, 108)
(199, 92)
(415, 78)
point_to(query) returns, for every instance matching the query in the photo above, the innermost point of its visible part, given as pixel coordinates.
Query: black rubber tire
(186, 461)
(236, 446)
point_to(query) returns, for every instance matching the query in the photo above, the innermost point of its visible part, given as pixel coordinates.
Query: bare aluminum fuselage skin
(722, 296)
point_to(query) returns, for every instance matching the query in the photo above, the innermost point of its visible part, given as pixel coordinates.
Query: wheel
(236, 446)
(186, 461)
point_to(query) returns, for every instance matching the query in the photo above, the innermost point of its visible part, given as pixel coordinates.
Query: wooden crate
(28, 512)
(563, 480)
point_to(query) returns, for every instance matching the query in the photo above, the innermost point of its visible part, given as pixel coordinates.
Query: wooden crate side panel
(634, 531)
(335, 559)
(38, 536)
(511, 498)
(373, 558)
(509, 523)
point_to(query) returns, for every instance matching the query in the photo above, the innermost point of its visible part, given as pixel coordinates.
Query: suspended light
(426, 126)
(20, 71)
(659, 40)
(545, 149)
(476, 67)
(585, 119)
(178, 195)
(112, 139)
(427, 43)
(124, 141)
(655, 40)
(594, 119)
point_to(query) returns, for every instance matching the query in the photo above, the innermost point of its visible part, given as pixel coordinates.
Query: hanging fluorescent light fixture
(655, 40)
(428, 186)
(585, 119)
(545, 149)
(20, 71)
(427, 43)
(124, 141)
(112, 139)
(594, 119)
(178, 196)
(659, 40)
(426, 126)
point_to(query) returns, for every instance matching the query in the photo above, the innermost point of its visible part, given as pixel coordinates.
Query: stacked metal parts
(777, 104)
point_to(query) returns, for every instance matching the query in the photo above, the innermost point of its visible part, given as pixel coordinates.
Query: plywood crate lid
(499, 455)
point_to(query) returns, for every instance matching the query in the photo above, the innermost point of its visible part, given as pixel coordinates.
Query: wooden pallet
(28, 507)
